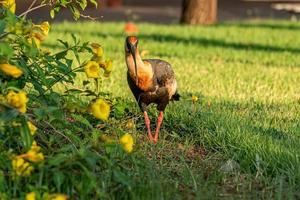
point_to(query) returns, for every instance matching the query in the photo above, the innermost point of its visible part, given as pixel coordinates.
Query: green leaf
(82, 4)
(69, 62)
(20, 83)
(61, 55)
(58, 178)
(6, 50)
(121, 178)
(52, 13)
(73, 137)
(90, 93)
(44, 112)
(75, 12)
(63, 68)
(2, 182)
(83, 120)
(94, 2)
(25, 135)
(37, 86)
(77, 56)
(73, 91)
(58, 159)
(63, 3)
(2, 26)
(9, 115)
(119, 109)
(74, 38)
(63, 42)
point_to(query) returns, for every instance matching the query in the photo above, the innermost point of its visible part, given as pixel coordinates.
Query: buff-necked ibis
(151, 81)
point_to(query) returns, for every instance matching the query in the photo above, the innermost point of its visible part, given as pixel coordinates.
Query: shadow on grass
(201, 41)
(246, 132)
(263, 143)
(261, 25)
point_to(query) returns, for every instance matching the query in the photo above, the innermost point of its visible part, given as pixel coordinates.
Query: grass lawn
(247, 118)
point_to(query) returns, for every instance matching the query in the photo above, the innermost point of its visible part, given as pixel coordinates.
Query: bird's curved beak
(132, 50)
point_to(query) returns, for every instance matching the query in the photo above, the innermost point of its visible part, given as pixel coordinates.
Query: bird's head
(131, 43)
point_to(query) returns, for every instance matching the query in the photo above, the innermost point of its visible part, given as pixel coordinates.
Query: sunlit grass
(231, 61)
(247, 77)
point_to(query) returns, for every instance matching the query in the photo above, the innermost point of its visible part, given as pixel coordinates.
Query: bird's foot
(150, 137)
(147, 123)
(155, 138)
(158, 124)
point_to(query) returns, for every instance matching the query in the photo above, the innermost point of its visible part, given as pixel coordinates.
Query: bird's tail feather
(176, 97)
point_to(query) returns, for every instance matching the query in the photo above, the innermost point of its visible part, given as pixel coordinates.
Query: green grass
(247, 77)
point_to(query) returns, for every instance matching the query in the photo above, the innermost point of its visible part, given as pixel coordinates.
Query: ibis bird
(151, 81)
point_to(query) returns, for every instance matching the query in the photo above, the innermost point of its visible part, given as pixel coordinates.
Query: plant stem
(60, 133)
(60, 78)
(97, 86)
(31, 5)
(32, 9)
(88, 17)
(4, 34)
(194, 107)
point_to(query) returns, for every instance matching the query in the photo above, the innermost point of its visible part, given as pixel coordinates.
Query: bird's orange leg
(158, 124)
(147, 122)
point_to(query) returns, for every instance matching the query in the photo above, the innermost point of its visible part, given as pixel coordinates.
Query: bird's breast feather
(145, 82)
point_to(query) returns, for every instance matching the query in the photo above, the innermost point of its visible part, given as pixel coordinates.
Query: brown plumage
(151, 81)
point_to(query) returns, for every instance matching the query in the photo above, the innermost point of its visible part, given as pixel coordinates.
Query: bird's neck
(144, 71)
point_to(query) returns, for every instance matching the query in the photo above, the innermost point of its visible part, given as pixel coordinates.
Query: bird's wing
(164, 75)
(163, 71)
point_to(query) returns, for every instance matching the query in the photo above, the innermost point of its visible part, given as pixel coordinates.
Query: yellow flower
(45, 27)
(97, 50)
(194, 99)
(17, 100)
(9, 4)
(108, 65)
(31, 127)
(30, 196)
(92, 69)
(100, 109)
(126, 142)
(34, 154)
(58, 197)
(35, 38)
(21, 167)
(11, 70)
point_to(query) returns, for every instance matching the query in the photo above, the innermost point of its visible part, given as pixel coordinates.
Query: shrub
(37, 146)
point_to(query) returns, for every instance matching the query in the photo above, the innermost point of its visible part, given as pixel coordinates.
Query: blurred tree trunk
(114, 3)
(199, 11)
